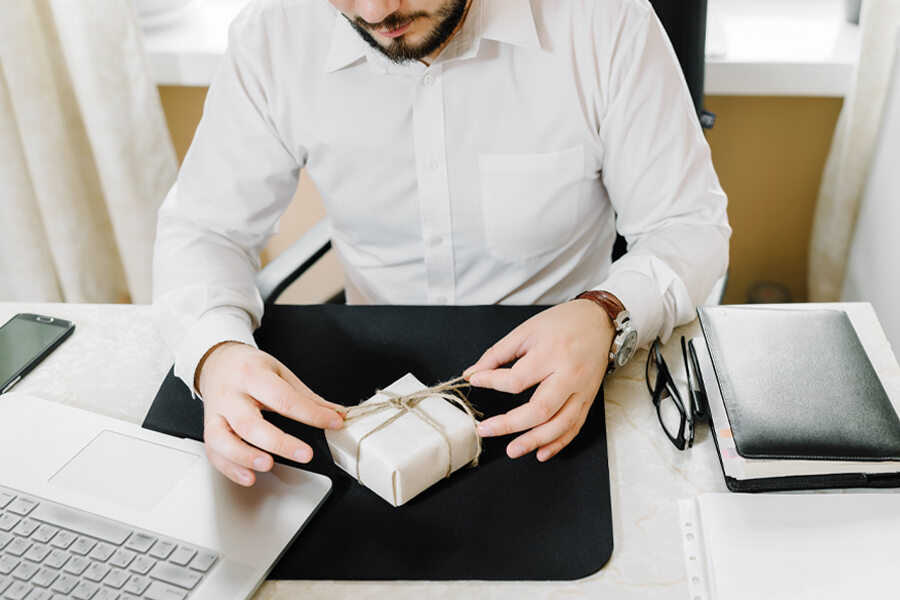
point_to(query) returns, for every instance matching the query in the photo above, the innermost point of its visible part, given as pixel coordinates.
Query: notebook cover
(504, 520)
(839, 481)
(782, 482)
(797, 383)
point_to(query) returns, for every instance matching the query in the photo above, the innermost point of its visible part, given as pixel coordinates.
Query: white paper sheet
(797, 546)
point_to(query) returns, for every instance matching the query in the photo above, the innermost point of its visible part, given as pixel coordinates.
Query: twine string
(451, 391)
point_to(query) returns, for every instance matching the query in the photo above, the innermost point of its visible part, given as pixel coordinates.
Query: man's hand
(238, 382)
(564, 349)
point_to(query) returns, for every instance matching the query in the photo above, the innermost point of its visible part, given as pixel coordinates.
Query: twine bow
(409, 403)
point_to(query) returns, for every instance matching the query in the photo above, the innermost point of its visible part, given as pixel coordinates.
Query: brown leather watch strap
(607, 301)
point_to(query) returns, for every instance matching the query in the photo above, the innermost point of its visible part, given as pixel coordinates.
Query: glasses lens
(671, 414)
(695, 384)
(675, 418)
(652, 370)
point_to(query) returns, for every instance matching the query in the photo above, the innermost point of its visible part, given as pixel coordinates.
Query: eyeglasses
(676, 417)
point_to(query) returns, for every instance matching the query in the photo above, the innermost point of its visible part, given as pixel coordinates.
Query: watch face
(626, 351)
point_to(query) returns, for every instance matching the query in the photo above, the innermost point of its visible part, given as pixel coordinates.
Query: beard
(399, 50)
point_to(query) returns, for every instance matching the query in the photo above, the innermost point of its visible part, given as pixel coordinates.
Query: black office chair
(685, 23)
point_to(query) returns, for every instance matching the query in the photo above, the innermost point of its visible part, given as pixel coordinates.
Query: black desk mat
(504, 520)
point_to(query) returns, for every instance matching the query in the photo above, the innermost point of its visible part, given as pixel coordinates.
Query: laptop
(100, 509)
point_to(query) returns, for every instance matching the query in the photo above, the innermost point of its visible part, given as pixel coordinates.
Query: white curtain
(851, 151)
(85, 156)
(873, 266)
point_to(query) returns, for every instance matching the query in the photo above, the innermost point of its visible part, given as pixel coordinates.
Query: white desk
(115, 360)
(771, 47)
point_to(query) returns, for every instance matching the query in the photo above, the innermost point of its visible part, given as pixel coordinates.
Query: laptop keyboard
(49, 551)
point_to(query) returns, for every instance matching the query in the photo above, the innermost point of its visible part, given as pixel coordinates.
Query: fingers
(248, 423)
(275, 393)
(508, 349)
(550, 450)
(235, 473)
(220, 437)
(242, 381)
(551, 430)
(230, 455)
(547, 399)
(555, 434)
(561, 349)
(528, 371)
(553, 417)
(225, 434)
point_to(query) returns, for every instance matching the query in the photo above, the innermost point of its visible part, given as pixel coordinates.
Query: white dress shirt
(497, 174)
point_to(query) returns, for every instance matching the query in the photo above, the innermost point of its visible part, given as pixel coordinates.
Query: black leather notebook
(504, 520)
(797, 385)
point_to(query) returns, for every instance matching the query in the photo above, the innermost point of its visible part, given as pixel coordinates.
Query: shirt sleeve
(237, 179)
(658, 171)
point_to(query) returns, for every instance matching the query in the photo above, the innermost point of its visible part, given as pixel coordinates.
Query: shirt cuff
(642, 284)
(224, 324)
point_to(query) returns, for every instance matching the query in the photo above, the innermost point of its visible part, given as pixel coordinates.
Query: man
(467, 151)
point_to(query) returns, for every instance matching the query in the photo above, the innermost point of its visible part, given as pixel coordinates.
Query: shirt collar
(509, 22)
(504, 21)
(346, 45)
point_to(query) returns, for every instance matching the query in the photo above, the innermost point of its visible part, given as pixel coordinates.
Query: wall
(768, 151)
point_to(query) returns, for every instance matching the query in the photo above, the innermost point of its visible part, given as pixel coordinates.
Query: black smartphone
(24, 342)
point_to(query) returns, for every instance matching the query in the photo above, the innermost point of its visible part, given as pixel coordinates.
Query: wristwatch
(625, 341)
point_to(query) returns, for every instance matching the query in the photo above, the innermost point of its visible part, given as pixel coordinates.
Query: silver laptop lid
(157, 484)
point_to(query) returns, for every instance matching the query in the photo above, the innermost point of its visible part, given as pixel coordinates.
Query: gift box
(401, 441)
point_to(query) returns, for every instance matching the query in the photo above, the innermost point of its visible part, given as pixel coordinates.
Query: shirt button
(431, 163)
(441, 299)
(428, 80)
(437, 240)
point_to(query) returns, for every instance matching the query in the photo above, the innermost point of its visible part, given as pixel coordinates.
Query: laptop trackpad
(125, 470)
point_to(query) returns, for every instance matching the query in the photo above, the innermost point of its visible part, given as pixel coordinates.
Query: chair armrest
(285, 268)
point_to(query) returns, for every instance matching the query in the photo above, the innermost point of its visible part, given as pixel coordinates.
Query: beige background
(769, 153)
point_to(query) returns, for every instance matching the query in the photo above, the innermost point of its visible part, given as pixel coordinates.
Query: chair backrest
(685, 22)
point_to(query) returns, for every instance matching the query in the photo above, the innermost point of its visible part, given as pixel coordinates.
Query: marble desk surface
(115, 360)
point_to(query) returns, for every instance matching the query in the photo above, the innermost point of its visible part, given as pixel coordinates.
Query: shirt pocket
(530, 201)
